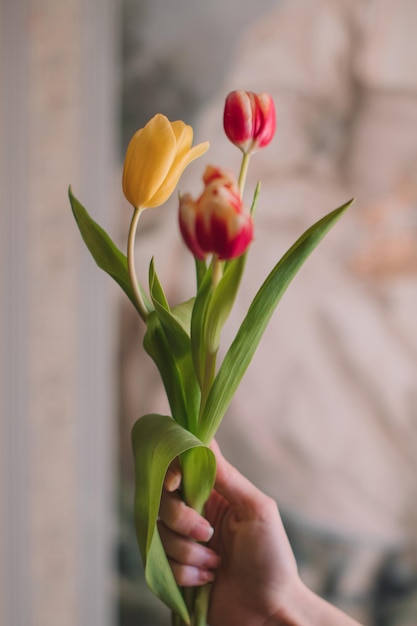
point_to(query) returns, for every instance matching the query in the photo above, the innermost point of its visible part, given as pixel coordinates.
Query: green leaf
(241, 351)
(159, 349)
(179, 345)
(105, 253)
(221, 302)
(182, 313)
(194, 465)
(198, 346)
(157, 440)
(155, 287)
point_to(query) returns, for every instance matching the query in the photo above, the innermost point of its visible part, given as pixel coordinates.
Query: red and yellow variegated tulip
(217, 221)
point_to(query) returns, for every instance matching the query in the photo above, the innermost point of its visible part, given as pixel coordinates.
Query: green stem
(201, 605)
(209, 373)
(217, 272)
(200, 270)
(243, 172)
(189, 597)
(131, 263)
(176, 620)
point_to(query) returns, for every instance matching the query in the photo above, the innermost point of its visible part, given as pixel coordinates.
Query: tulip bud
(156, 157)
(249, 119)
(216, 222)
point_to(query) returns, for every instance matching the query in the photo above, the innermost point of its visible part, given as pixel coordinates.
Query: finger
(182, 519)
(172, 479)
(186, 551)
(189, 576)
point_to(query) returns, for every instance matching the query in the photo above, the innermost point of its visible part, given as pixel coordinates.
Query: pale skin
(247, 556)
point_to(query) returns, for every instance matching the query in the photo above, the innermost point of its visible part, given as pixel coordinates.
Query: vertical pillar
(15, 584)
(58, 127)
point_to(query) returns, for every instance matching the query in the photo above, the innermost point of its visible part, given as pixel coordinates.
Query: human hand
(248, 558)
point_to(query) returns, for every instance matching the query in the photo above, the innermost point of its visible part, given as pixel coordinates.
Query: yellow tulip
(156, 157)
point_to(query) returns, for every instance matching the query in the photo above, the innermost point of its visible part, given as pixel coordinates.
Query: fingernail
(206, 576)
(213, 560)
(202, 531)
(172, 481)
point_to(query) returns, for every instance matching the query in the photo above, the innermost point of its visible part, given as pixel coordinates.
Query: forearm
(299, 606)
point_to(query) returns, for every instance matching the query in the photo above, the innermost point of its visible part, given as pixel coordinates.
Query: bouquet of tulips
(183, 340)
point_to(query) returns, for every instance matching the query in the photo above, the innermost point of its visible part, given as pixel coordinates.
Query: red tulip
(217, 221)
(249, 119)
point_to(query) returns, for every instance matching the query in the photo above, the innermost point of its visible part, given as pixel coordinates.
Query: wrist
(292, 602)
(299, 606)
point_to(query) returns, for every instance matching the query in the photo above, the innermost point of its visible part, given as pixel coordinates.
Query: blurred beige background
(332, 390)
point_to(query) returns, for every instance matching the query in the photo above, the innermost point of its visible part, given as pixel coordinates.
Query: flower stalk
(131, 263)
(217, 271)
(244, 166)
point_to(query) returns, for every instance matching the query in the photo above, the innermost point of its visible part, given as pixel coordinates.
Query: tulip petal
(265, 122)
(187, 220)
(179, 165)
(183, 136)
(238, 118)
(149, 158)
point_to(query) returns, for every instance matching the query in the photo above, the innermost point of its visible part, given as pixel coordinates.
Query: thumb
(232, 485)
